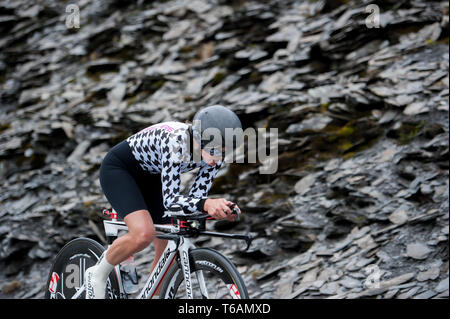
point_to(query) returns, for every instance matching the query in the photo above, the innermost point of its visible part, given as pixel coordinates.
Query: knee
(140, 229)
(143, 238)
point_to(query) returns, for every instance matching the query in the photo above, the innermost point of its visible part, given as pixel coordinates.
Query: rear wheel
(67, 272)
(221, 278)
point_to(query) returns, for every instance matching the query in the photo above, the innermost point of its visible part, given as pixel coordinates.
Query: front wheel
(213, 276)
(67, 272)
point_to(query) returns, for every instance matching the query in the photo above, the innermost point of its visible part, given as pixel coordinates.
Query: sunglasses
(212, 150)
(215, 151)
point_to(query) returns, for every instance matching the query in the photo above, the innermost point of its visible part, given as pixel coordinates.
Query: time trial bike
(183, 270)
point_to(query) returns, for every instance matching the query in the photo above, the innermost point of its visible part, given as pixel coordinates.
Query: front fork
(183, 249)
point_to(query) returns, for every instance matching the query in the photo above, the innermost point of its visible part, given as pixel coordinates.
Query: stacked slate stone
(358, 205)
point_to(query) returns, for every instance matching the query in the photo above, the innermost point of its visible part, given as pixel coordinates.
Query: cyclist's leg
(151, 188)
(141, 232)
(142, 192)
(124, 195)
(160, 245)
(121, 182)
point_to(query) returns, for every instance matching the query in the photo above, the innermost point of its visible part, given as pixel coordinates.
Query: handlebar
(177, 211)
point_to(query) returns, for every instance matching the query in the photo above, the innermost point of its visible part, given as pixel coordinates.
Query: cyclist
(141, 178)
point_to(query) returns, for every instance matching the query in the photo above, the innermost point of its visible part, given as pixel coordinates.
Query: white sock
(103, 269)
(95, 279)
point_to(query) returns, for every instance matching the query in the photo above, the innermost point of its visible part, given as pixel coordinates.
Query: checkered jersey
(163, 149)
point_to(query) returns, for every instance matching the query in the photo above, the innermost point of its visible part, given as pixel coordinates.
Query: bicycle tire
(214, 264)
(67, 272)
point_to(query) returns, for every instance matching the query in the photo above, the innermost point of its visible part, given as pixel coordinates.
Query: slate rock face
(358, 204)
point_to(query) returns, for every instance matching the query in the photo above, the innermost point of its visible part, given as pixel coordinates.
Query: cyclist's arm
(203, 182)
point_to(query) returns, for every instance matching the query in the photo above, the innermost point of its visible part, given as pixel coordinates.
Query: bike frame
(178, 245)
(169, 255)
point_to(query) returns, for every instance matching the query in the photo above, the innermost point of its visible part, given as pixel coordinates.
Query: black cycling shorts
(128, 187)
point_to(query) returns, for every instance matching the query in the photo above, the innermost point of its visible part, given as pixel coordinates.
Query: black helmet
(212, 121)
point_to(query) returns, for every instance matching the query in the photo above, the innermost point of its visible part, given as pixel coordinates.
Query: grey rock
(416, 108)
(350, 283)
(318, 122)
(252, 55)
(79, 151)
(442, 286)
(177, 30)
(429, 274)
(408, 293)
(417, 250)
(303, 185)
(384, 286)
(398, 280)
(390, 294)
(442, 295)
(399, 216)
(425, 295)
(330, 288)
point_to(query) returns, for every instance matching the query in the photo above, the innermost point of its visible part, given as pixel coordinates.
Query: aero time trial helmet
(209, 129)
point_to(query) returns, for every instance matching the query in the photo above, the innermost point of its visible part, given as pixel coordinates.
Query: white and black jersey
(166, 149)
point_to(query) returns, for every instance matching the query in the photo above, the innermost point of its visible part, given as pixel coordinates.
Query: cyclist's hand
(218, 208)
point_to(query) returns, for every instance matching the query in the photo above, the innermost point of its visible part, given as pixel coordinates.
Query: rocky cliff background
(358, 207)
